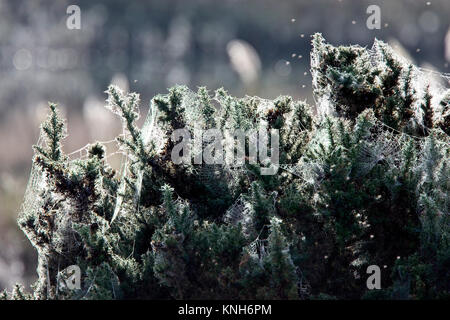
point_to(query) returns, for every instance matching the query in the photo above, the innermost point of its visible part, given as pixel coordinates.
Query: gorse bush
(362, 180)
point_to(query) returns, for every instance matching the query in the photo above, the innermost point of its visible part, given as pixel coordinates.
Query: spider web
(151, 134)
(37, 183)
(383, 145)
(240, 213)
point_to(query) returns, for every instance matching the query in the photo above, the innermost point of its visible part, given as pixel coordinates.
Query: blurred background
(258, 47)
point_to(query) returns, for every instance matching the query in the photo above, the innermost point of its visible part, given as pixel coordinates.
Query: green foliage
(363, 181)
(54, 132)
(4, 295)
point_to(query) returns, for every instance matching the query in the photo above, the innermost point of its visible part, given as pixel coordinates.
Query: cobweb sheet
(384, 144)
(36, 185)
(149, 135)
